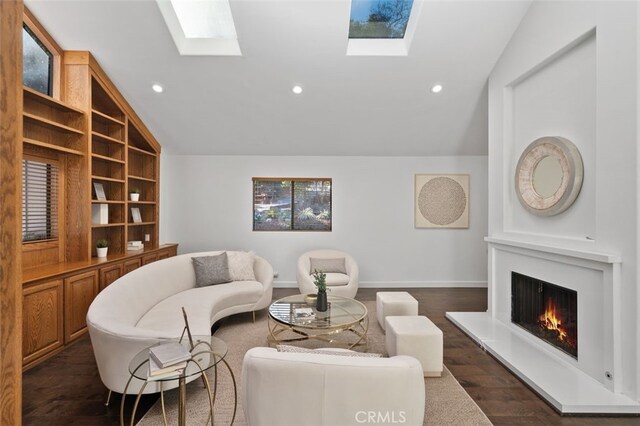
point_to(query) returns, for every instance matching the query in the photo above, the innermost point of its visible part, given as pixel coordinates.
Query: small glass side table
(207, 353)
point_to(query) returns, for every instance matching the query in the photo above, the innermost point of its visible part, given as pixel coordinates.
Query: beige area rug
(447, 403)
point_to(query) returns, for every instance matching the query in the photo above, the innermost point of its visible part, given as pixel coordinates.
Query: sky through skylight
(379, 19)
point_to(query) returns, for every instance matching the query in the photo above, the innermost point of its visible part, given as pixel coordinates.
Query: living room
(450, 160)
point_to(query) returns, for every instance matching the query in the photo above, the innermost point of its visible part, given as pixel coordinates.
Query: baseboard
(401, 284)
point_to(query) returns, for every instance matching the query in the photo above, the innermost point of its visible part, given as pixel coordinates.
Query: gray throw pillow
(328, 265)
(211, 270)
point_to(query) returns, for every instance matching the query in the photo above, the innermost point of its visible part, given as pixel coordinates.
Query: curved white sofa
(284, 388)
(338, 284)
(144, 307)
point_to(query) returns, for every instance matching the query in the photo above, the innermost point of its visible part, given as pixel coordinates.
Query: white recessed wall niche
(570, 69)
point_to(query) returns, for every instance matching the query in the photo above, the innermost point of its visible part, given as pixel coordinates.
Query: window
(37, 63)
(379, 18)
(39, 200)
(291, 204)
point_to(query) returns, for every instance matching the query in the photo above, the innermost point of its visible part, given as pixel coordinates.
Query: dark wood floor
(66, 390)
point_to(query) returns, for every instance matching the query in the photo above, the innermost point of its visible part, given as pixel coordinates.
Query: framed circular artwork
(441, 201)
(549, 176)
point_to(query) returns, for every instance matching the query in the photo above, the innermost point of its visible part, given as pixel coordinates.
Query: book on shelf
(156, 372)
(168, 354)
(134, 245)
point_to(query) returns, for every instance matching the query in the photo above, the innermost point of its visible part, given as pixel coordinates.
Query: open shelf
(108, 179)
(94, 201)
(34, 95)
(142, 151)
(52, 146)
(141, 178)
(103, 103)
(106, 119)
(107, 225)
(106, 138)
(105, 158)
(51, 125)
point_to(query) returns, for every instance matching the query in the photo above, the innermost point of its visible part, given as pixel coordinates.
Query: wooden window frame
(47, 41)
(292, 180)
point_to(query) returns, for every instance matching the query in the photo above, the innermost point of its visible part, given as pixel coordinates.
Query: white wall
(206, 204)
(571, 69)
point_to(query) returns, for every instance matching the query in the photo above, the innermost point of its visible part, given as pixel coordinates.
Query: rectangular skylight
(205, 19)
(379, 19)
(201, 27)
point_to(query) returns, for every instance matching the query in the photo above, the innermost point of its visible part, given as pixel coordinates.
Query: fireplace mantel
(595, 381)
(594, 256)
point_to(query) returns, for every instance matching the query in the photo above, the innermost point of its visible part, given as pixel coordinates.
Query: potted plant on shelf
(134, 194)
(320, 281)
(102, 246)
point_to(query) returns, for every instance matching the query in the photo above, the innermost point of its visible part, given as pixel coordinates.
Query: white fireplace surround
(590, 384)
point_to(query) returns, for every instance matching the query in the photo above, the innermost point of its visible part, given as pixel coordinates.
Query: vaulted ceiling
(351, 105)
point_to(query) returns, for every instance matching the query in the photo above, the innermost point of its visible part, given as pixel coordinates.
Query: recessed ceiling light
(437, 88)
(157, 88)
(296, 89)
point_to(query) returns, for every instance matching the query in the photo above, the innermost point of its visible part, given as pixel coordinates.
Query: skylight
(205, 19)
(201, 27)
(379, 19)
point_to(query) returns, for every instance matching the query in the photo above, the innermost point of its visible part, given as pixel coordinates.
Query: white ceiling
(350, 105)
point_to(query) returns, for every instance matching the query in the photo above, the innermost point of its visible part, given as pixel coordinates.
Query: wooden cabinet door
(42, 330)
(149, 258)
(109, 274)
(131, 264)
(79, 292)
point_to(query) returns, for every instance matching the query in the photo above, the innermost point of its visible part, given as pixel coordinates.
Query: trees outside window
(291, 204)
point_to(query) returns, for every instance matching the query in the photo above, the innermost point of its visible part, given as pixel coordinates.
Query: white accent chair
(144, 307)
(345, 285)
(284, 388)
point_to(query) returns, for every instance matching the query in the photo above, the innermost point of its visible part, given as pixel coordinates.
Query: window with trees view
(291, 204)
(37, 63)
(379, 18)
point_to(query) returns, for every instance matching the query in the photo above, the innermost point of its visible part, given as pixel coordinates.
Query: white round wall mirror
(549, 176)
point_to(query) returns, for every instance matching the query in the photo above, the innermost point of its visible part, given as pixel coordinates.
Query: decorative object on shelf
(135, 215)
(134, 195)
(549, 176)
(100, 195)
(441, 201)
(320, 281)
(100, 214)
(102, 246)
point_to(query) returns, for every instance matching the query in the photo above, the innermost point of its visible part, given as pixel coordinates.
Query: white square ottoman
(418, 337)
(394, 303)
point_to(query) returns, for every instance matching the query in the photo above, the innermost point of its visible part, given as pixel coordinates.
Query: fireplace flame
(550, 320)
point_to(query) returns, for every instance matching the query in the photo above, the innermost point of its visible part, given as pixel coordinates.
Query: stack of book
(304, 313)
(167, 360)
(134, 245)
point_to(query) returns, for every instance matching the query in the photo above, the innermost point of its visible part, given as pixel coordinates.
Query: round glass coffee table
(207, 353)
(344, 324)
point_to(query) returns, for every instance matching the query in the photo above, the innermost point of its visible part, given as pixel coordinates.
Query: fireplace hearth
(546, 310)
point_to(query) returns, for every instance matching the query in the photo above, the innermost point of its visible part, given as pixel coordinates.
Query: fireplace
(548, 311)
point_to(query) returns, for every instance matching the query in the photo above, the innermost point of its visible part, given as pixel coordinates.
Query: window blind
(39, 200)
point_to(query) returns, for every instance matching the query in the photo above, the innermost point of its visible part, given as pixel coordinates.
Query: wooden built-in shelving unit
(95, 137)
